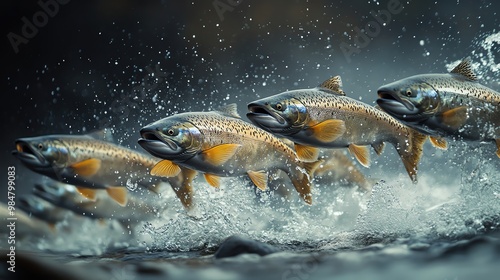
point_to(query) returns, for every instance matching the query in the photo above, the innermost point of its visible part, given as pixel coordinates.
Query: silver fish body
(42, 209)
(91, 163)
(58, 156)
(219, 143)
(24, 227)
(320, 118)
(141, 206)
(450, 105)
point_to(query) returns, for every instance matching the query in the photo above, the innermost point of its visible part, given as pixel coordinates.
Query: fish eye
(40, 146)
(280, 107)
(408, 93)
(172, 132)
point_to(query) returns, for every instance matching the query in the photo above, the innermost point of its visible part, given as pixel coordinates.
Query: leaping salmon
(219, 143)
(452, 105)
(323, 117)
(93, 162)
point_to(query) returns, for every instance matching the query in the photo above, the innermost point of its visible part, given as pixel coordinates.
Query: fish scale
(445, 105)
(326, 118)
(90, 163)
(318, 102)
(227, 128)
(220, 144)
(322, 105)
(89, 148)
(460, 86)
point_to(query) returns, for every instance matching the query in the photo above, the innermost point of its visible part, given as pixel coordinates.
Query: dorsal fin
(230, 110)
(464, 68)
(334, 84)
(104, 134)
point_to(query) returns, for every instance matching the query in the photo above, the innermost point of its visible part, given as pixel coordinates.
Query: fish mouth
(400, 108)
(258, 111)
(266, 118)
(393, 104)
(29, 156)
(157, 145)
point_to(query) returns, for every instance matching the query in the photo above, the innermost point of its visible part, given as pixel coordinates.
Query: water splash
(434, 209)
(484, 58)
(462, 203)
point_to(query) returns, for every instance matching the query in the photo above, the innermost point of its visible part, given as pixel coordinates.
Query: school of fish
(293, 138)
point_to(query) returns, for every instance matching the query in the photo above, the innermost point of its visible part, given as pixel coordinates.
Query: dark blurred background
(123, 64)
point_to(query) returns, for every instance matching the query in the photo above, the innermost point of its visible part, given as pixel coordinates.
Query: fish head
(171, 138)
(45, 154)
(282, 114)
(32, 204)
(51, 192)
(410, 100)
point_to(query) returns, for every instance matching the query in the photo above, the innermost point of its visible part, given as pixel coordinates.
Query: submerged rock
(236, 245)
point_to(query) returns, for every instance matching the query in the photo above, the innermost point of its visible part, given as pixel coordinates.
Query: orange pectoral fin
(455, 118)
(306, 153)
(165, 168)
(438, 142)
(259, 178)
(87, 193)
(87, 167)
(329, 130)
(361, 153)
(219, 154)
(212, 180)
(118, 194)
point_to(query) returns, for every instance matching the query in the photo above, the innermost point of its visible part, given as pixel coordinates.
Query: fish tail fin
(410, 150)
(301, 178)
